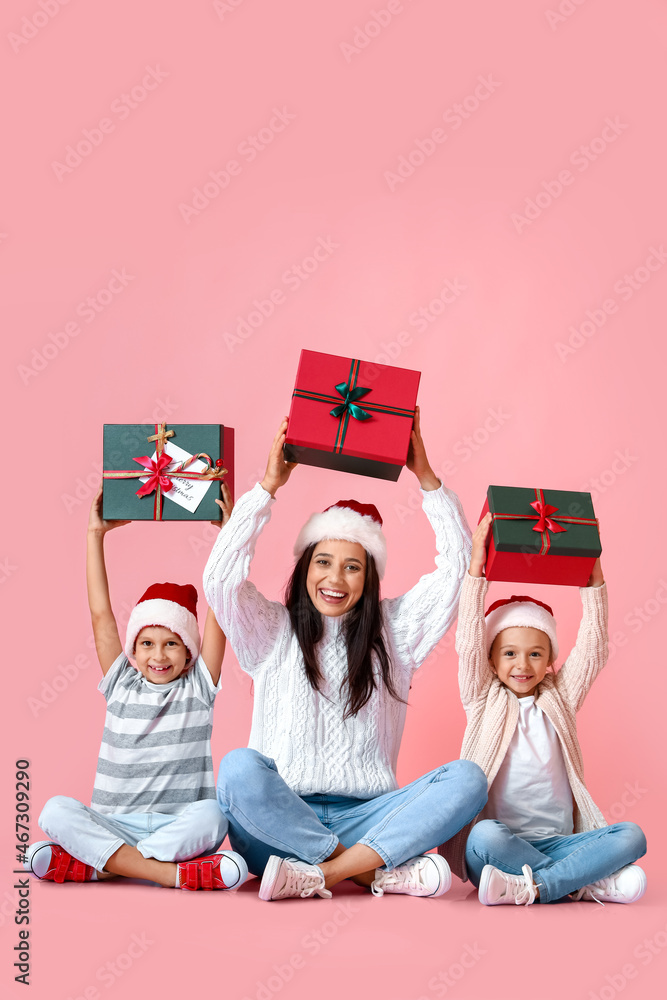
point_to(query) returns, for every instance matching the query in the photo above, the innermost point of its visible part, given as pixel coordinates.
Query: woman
(314, 798)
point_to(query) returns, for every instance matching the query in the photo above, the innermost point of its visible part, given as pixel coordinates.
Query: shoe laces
(524, 887)
(302, 880)
(605, 887)
(406, 877)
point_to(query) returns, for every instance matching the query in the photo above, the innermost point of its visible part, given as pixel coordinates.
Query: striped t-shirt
(156, 746)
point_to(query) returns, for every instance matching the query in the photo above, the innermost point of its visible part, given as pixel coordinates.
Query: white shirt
(315, 749)
(531, 793)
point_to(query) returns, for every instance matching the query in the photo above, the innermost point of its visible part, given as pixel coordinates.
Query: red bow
(155, 470)
(545, 522)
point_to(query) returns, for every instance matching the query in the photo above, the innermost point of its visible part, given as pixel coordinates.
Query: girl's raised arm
(105, 629)
(475, 675)
(575, 677)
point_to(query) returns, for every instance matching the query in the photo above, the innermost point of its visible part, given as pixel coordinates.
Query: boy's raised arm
(105, 629)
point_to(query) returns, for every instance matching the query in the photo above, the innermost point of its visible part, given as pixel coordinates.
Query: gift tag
(187, 493)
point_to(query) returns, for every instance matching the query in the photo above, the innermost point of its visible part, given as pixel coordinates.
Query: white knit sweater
(315, 749)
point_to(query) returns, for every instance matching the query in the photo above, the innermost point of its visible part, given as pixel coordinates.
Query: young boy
(154, 811)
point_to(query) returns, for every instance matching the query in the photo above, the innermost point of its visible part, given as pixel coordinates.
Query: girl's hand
(96, 522)
(226, 506)
(596, 578)
(479, 537)
(417, 461)
(278, 470)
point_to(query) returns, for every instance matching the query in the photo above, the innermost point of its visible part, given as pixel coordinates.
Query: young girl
(314, 798)
(153, 806)
(541, 838)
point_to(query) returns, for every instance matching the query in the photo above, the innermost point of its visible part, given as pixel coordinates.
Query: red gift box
(351, 415)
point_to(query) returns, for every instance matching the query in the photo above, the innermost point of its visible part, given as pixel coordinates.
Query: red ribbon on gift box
(545, 518)
(158, 482)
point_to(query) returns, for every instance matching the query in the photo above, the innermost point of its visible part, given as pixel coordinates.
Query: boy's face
(160, 655)
(520, 657)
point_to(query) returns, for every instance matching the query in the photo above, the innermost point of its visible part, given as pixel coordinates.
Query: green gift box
(125, 443)
(541, 536)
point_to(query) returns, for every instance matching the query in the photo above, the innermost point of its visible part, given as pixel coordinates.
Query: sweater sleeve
(475, 675)
(253, 624)
(590, 652)
(418, 619)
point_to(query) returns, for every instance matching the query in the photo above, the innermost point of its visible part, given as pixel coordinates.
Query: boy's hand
(278, 470)
(478, 555)
(417, 461)
(226, 506)
(597, 577)
(96, 522)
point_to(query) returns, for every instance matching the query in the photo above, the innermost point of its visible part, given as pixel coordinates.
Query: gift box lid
(373, 407)
(566, 518)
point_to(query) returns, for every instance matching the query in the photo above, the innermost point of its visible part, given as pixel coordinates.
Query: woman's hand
(96, 522)
(479, 537)
(278, 470)
(597, 577)
(226, 505)
(417, 461)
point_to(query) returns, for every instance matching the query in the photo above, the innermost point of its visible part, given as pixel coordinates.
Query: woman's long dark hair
(362, 631)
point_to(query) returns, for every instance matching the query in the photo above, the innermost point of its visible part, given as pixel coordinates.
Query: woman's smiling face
(336, 576)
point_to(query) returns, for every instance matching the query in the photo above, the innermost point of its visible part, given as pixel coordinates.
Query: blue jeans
(560, 864)
(266, 817)
(92, 837)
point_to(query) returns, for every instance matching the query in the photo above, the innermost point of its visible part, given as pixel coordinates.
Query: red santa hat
(170, 605)
(521, 612)
(348, 521)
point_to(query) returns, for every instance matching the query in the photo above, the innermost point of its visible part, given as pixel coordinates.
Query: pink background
(502, 402)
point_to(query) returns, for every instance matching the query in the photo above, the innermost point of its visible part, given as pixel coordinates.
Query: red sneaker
(224, 870)
(51, 863)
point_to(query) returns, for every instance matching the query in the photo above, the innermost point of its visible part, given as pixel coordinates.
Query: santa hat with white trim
(521, 612)
(170, 605)
(348, 521)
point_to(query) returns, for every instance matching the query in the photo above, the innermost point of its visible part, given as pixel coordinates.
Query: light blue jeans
(266, 817)
(560, 864)
(92, 837)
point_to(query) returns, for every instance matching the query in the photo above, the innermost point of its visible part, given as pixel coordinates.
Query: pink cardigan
(492, 709)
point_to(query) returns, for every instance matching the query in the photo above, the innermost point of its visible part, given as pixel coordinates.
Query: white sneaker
(627, 885)
(425, 875)
(496, 887)
(285, 877)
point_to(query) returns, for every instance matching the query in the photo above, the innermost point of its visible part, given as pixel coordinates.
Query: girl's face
(336, 576)
(520, 657)
(160, 655)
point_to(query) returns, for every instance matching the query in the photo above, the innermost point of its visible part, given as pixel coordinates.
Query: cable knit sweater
(315, 749)
(492, 709)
